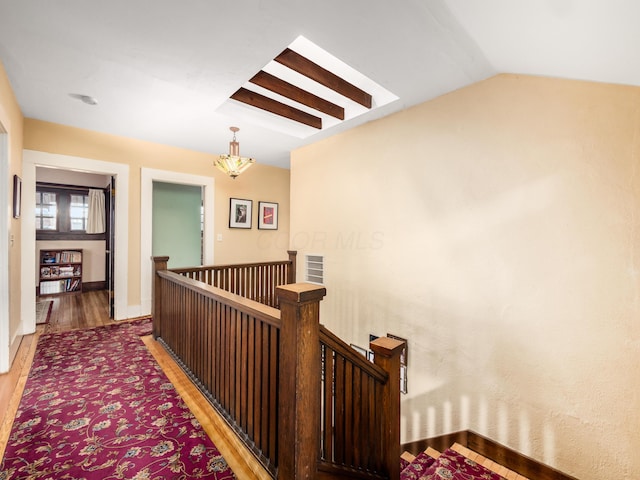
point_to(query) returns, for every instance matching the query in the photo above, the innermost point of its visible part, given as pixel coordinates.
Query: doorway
(32, 159)
(177, 224)
(148, 177)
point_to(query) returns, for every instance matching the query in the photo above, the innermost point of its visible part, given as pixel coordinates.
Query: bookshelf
(60, 271)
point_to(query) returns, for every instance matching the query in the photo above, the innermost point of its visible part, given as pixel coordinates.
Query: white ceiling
(163, 70)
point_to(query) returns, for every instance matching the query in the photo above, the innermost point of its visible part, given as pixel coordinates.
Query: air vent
(315, 269)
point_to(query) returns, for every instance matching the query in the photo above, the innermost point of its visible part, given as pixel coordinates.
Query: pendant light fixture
(233, 164)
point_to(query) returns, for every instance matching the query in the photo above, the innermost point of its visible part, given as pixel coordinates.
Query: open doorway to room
(177, 223)
(33, 160)
(72, 216)
(150, 176)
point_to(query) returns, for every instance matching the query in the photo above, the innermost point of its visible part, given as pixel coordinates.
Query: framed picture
(17, 196)
(268, 216)
(360, 350)
(240, 213)
(403, 363)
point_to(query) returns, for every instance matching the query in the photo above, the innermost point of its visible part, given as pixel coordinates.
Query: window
(62, 213)
(79, 212)
(46, 211)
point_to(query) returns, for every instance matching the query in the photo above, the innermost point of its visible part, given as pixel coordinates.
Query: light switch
(219, 237)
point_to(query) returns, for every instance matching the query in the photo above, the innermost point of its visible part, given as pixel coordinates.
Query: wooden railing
(255, 281)
(358, 428)
(263, 370)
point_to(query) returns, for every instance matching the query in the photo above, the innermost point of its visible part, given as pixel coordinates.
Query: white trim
(31, 159)
(5, 205)
(147, 177)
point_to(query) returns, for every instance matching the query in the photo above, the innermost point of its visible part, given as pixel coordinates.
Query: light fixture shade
(233, 164)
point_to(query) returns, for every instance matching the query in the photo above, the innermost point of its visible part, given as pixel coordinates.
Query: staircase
(433, 465)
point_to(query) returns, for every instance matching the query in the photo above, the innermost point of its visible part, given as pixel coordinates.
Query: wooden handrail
(256, 281)
(355, 393)
(305, 403)
(218, 338)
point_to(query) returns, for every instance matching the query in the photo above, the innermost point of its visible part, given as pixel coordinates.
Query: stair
(433, 465)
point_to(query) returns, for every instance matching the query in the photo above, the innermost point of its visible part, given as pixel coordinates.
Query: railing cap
(301, 293)
(386, 346)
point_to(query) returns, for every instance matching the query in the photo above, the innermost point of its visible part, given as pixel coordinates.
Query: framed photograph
(403, 363)
(268, 216)
(360, 350)
(403, 379)
(240, 213)
(17, 196)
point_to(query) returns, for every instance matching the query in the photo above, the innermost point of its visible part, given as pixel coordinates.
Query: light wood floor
(88, 310)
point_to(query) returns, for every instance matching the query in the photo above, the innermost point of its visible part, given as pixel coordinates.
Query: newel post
(292, 268)
(299, 392)
(159, 263)
(387, 355)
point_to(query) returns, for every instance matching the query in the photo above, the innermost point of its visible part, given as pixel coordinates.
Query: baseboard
(440, 443)
(94, 286)
(497, 452)
(513, 460)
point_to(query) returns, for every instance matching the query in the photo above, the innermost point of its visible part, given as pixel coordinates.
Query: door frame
(147, 177)
(5, 328)
(31, 160)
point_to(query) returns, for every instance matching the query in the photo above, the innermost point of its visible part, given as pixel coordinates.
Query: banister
(387, 353)
(159, 264)
(299, 380)
(258, 310)
(292, 270)
(332, 340)
(304, 402)
(256, 281)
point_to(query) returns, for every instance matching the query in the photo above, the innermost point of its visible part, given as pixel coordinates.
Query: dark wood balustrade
(303, 401)
(255, 281)
(354, 440)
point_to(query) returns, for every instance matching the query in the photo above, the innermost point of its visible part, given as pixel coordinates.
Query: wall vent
(315, 269)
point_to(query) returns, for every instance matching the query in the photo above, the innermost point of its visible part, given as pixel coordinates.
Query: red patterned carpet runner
(451, 465)
(96, 405)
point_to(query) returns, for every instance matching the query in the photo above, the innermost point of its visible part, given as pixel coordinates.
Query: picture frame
(240, 211)
(360, 350)
(267, 216)
(17, 196)
(403, 363)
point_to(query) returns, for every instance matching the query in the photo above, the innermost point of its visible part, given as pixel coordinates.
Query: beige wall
(497, 228)
(12, 121)
(260, 182)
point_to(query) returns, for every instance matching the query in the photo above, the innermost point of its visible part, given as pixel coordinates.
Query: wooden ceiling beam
(281, 87)
(270, 105)
(306, 67)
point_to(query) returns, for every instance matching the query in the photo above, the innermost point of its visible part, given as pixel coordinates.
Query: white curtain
(96, 218)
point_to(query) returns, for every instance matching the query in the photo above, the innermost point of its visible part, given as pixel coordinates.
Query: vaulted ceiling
(181, 73)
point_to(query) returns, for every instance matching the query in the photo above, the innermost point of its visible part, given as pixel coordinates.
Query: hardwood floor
(89, 310)
(71, 312)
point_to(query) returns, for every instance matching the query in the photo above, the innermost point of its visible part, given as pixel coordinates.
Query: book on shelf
(60, 271)
(65, 256)
(55, 286)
